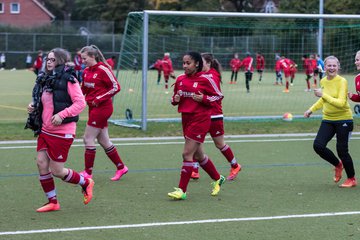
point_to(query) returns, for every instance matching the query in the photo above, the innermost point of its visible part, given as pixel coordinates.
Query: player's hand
(176, 98)
(56, 120)
(318, 92)
(30, 107)
(307, 113)
(350, 95)
(198, 97)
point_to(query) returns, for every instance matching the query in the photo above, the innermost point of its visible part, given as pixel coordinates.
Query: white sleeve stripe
(112, 79)
(213, 84)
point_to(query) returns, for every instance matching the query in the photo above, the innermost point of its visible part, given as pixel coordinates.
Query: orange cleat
(234, 172)
(119, 173)
(49, 207)
(286, 91)
(195, 175)
(349, 183)
(88, 192)
(338, 172)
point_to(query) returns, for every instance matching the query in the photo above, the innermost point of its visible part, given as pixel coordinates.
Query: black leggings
(326, 132)
(234, 74)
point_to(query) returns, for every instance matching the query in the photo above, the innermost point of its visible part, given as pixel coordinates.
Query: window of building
(14, 7)
(1, 7)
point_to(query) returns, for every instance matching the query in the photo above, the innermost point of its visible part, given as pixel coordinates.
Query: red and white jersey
(247, 64)
(285, 64)
(77, 62)
(158, 64)
(99, 84)
(38, 62)
(260, 62)
(356, 97)
(187, 86)
(166, 65)
(235, 64)
(217, 106)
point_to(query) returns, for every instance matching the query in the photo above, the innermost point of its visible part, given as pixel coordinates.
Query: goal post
(149, 34)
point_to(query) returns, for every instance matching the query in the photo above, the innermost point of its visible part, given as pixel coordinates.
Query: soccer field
(285, 191)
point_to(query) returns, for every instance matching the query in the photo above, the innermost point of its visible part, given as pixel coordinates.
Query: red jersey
(260, 62)
(187, 86)
(285, 64)
(308, 66)
(247, 64)
(217, 106)
(99, 84)
(77, 62)
(166, 65)
(157, 64)
(38, 63)
(111, 62)
(313, 63)
(278, 65)
(235, 64)
(356, 97)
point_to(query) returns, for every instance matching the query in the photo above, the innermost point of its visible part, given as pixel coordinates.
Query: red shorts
(196, 126)
(98, 116)
(57, 147)
(217, 127)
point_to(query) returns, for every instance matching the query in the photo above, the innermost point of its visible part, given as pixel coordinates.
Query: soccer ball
(287, 117)
(131, 90)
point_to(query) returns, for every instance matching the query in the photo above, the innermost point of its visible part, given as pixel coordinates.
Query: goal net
(150, 34)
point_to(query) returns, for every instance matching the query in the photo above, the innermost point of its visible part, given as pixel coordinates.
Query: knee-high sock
(209, 168)
(185, 175)
(48, 185)
(90, 153)
(114, 156)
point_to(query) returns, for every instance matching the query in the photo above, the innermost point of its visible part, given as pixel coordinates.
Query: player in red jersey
(167, 68)
(99, 86)
(293, 70)
(78, 65)
(278, 73)
(235, 65)
(313, 62)
(213, 68)
(38, 62)
(309, 71)
(157, 66)
(260, 64)
(58, 100)
(111, 61)
(285, 66)
(247, 64)
(194, 93)
(355, 97)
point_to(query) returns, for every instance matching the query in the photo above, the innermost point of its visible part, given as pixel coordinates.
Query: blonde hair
(332, 58)
(94, 51)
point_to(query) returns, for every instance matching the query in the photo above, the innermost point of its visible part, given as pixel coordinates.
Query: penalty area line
(157, 224)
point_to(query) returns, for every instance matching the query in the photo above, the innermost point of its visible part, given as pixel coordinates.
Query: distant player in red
(293, 70)
(247, 64)
(278, 73)
(194, 93)
(285, 66)
(111, 61)
(213, 68)
(260, 64)
(158, 67)
(38, 62)
(78, 65)
(167, 68)
(99, 86)
(235, 65)
(309, 71)
(315, 69)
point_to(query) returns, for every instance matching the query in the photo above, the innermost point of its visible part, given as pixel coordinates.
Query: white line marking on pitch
(157, 224)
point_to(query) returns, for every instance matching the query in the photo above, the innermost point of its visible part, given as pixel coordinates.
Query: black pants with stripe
(326, 132)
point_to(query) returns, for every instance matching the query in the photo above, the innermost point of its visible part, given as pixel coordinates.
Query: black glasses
(51, 59)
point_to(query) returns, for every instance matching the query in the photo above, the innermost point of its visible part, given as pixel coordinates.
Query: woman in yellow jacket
(337, 120)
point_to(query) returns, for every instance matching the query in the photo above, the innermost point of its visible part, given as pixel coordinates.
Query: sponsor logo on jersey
(89, 85)
(185, 94)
